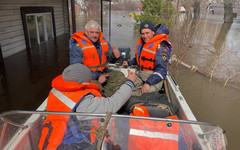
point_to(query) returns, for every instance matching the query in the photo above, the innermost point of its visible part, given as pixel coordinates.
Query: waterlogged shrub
(157, 11)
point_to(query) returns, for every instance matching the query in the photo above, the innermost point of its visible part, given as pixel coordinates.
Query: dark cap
(147, 25)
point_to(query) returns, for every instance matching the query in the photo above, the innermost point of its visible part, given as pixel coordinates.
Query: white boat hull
(28, 132)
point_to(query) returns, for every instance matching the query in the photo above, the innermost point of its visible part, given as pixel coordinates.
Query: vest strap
(98, 66)
(141, 68)
(147, 59)
(50, 129)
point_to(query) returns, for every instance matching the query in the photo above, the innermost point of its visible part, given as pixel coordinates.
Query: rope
(100, 132)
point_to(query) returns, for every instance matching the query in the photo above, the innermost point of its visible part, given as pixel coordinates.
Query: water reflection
(4, 92)
(26, 77)
(215, 46)
(220, 40)
(210, 102)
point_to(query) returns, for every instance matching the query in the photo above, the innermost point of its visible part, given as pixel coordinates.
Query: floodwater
(26, 78)
(215, 52)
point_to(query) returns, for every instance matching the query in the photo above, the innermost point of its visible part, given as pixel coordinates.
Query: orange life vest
(90, 55)
(64, 96)
(154, 135)
(146, 60)
(140, 110)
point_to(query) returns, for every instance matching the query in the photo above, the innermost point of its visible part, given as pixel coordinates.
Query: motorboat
(22, 129)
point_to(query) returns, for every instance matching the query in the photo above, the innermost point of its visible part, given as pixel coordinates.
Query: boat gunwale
(12, 112)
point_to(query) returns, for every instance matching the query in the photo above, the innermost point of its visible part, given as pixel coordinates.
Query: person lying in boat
(152, 55)
(73, 92)
(91, 49)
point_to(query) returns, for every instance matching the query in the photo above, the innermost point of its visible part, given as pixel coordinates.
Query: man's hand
(145, 88)
(116, 52)
(132, 76)
(125, 64)
(102, 78)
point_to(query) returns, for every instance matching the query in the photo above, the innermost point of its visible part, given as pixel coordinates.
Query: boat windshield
(34, 130)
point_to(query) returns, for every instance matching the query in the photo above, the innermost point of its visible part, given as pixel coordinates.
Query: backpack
(155, 103)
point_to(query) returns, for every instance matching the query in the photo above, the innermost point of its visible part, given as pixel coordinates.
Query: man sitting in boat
(91, 49)
(73, 92)
(152, 55)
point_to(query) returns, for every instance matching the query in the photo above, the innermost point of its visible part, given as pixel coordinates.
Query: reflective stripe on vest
(67, 101)
(144, 49)
(154, 135)
(88, 47)
(149, 134)
(103, 43)
(92, 46)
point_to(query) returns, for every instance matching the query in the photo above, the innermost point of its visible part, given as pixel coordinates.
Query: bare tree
(196, 5)
(228, 11)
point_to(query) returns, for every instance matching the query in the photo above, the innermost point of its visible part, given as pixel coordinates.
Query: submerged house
(27, 23)
(24, 23)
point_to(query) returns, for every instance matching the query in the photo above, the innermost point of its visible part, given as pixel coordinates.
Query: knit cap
(77, 73)
(147, 25)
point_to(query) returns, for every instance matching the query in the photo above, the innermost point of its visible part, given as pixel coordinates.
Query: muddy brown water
(26, 78)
